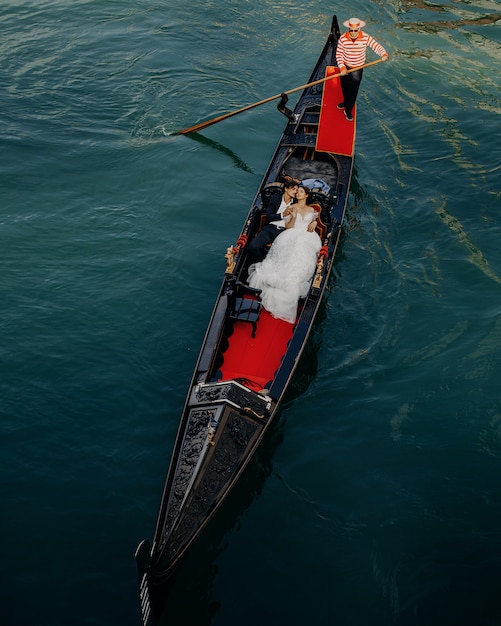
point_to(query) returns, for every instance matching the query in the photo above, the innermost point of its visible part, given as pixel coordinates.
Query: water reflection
(237, 161)
(477, 257)
(468, 18)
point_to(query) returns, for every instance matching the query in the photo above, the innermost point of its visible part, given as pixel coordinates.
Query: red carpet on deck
(256, 359)
(335, 133)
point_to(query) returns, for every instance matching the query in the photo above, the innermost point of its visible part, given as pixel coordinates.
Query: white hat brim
(347, 23)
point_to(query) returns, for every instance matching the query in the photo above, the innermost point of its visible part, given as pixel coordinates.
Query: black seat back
(270, 190)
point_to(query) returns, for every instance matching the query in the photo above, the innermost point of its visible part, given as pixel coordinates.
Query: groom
(275, 222)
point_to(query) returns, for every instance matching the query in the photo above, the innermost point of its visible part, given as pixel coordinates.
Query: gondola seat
(246, 305)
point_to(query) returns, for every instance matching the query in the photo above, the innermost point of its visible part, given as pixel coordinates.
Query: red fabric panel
(256, 359)
(335, 133)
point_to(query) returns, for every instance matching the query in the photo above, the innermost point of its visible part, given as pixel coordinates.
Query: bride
(285, 274)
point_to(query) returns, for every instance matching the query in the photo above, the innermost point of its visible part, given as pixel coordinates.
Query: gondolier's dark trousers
(350, 85)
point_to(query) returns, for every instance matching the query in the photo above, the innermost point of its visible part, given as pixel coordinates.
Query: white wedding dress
(285, 275)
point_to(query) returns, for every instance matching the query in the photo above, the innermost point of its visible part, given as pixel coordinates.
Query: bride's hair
(307, 191)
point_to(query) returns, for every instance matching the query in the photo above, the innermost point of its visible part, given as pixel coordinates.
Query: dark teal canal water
(377, 499)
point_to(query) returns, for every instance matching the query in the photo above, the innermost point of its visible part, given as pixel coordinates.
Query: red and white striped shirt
(351, 52)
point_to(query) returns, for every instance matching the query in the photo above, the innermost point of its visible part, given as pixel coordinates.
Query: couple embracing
(284, 276)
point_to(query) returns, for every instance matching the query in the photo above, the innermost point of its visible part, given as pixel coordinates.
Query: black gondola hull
(244, 369)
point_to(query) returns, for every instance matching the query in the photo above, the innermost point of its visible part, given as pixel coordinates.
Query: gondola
(248, 357)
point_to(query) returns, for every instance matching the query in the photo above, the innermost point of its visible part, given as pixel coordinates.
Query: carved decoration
(228, 447)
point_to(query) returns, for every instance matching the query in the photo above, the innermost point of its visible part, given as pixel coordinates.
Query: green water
(376, 500)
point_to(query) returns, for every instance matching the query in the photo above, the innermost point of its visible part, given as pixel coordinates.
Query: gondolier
(350, 53)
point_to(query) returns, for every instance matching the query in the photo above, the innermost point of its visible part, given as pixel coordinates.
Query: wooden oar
(197, 127)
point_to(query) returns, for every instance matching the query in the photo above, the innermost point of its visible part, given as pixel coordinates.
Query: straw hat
(354, 22)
